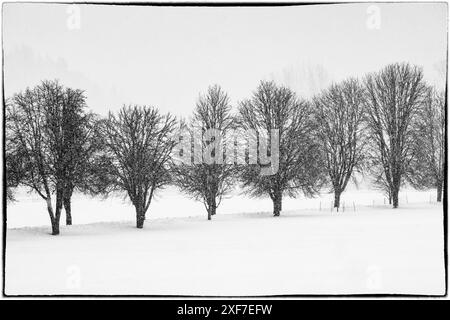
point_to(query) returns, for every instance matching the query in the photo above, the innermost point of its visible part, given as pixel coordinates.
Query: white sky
(166, 56)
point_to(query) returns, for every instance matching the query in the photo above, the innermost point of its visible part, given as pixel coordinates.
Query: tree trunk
(68, 209)
(213, 206)
(395, 198)
(55, 226)
(139, 217)
(439, 191)
(337, 198)
(277, 201)
(67, 199)
(59, 205)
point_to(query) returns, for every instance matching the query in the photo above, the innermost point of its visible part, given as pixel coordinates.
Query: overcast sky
(166, 56)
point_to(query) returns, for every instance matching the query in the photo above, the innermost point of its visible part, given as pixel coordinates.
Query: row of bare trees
(390, 125)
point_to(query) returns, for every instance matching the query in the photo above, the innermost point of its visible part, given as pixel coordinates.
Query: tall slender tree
(205, 174)
(394, 98)
(427, 168)
(82, 143)
(339, 114)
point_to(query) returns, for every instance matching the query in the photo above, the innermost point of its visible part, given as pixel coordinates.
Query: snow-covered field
(31, 210)
(369, 248)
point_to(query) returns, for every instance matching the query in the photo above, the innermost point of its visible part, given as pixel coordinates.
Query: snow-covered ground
(369, 248)
(31, 210)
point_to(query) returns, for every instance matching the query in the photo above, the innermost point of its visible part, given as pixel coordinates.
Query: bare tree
(427, 167)
(339, 114)
(13, 174)
(138, 143)
(41, 122)
(204, 174)
(13, 156)
(300, 161)
(394, 96)
(80, 136)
